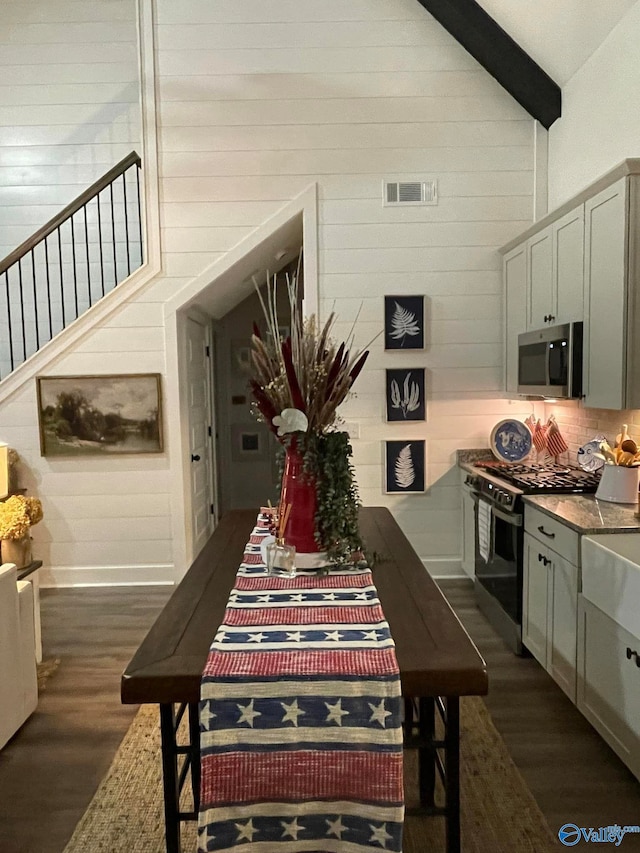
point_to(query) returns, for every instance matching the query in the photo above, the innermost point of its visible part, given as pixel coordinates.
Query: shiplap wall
(69, 104)
(260, 98)
(257, 99)
(69, 110)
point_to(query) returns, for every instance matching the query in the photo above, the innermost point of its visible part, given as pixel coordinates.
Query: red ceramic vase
(299, 490)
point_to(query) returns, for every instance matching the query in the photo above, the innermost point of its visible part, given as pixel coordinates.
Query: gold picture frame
(100, 415)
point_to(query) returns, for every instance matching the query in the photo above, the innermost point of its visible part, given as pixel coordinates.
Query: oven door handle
(514, 519)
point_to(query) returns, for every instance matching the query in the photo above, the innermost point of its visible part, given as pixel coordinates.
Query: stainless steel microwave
(550, 362)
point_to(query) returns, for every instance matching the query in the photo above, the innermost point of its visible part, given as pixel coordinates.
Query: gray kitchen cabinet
(539, 279)
(582, 262)
(609, 681)
(604, 377)
(535, 600)
(469, 522)
(555, 272)
(514, 267)
(609, 642)
(550, 596)
(568, 267)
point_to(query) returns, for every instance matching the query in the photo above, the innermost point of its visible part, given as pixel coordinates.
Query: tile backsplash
(579, 425)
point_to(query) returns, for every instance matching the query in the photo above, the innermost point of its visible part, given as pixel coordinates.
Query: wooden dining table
(438, 663)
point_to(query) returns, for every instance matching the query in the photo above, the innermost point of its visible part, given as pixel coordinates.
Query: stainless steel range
(497, 488)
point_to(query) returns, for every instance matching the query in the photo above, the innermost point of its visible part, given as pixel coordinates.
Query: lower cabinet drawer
(554, 534)
(609, 681)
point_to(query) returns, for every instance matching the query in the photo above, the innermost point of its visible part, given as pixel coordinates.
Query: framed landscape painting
(403, 322)
(100, 415)
(405, 466)
(405, 394)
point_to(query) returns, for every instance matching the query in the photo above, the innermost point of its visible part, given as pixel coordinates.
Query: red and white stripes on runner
(300, 717)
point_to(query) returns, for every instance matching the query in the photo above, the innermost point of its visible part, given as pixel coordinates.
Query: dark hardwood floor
(51, 768)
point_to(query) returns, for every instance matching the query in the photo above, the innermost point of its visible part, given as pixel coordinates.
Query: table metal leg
(194, 752)
(452, 773)
(426, 752)
(170, 778)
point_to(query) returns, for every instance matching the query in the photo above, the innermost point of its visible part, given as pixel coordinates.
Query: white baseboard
(444, 567)
(55, 577)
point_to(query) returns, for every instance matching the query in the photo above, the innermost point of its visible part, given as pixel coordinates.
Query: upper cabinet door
(568, 267)
(540, 290)
(605, 290)
(514, 274)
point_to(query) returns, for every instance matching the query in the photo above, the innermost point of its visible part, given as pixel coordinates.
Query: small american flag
(540, 437)
(555, 441)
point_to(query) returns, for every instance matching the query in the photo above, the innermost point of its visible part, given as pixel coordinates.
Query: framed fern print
(405, 466)
(403, 322)
(405, 394)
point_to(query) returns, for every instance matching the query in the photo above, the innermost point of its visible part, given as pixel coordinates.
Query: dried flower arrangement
(17, 515)
(306, 371)
(298, 383)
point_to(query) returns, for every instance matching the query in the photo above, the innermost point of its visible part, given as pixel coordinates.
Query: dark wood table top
(435, 654)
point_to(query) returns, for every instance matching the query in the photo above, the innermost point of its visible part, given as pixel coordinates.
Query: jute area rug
(499, 813)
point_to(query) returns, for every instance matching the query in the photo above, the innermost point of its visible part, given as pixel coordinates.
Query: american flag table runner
(300, 717)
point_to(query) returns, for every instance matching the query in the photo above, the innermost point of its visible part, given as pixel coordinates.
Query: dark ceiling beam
(500, 55)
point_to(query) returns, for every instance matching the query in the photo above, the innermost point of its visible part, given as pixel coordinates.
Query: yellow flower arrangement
(17, 514)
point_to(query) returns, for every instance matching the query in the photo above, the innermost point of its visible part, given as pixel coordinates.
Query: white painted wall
(256, 100)
(600, 123)
(559, 36)
(69, 104)
(69, 111)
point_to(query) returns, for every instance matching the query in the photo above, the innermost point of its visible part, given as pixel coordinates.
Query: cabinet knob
(195, 457)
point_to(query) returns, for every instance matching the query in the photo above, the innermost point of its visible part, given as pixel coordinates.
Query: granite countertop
(586, 514)
(466, 458)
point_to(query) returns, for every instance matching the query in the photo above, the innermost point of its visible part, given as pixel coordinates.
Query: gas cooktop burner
(539, 478)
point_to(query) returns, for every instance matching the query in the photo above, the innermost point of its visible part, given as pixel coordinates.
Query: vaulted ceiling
(531, 48)
(560, 35)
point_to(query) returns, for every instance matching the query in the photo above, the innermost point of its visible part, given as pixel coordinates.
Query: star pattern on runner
(378, 713)
(291, 712)
(204, 837)
(333, 636)
(294, 636)
(335, 712)
(379, 835)
(245, 831)
(291, 829)
(206, 714)
(248, 714)
(256, 638)
(335, 827)
(370, 635)
(267, 620)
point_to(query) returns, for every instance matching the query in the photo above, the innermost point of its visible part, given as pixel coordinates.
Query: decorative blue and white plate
(511, 441)
(586, 459)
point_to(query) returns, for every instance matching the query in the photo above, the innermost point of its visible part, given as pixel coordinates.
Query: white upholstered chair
(18, 677)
